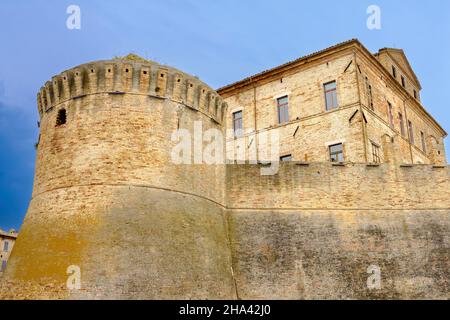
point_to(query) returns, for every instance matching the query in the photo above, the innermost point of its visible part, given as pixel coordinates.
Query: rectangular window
(330, 95)
(237, 123)
(403, 82)
(286, 158)
(6, 246)
(422, 138)
(415, 94)
(402, 124)
(369, 94)
(394, 72)
(375, 153)
(336, 153)
(391, 117)
(411, 132)
(3, 265)
(283, 109)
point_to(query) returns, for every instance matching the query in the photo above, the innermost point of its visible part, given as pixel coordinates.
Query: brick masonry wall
(308, 139)
(313, 125)
(129, 242)
(311, 232)
(108, 198)
(325, 254)
(305, 91)
(384, 92)
(327, 186)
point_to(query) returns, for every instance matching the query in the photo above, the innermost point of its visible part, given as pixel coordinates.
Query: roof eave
(285, 66)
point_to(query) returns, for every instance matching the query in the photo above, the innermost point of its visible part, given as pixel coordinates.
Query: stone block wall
(109, 198)
(312, 232)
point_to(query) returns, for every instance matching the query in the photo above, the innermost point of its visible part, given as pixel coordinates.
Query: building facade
(7, 240)
(340, 104)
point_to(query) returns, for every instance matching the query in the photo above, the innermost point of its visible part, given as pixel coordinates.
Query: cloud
(18, 133)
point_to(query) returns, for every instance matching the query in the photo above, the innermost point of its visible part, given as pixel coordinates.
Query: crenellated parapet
(131, 77)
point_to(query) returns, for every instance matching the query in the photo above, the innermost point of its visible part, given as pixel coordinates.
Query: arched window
(61, 117)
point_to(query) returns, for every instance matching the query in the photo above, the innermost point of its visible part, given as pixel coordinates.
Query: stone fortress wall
(108, 198)
(313, 230)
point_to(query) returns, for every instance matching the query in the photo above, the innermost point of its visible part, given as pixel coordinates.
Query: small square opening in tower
(61, 118)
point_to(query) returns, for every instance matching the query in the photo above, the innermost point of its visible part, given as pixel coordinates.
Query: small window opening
(144, 72)
(369, 94)
(402, 124)
(411, 132)
(330, 95)
(237, 123)
(376, 153)
(61, 118)
(283, 109)
(336, 153)
(391, 117)
(422, 139)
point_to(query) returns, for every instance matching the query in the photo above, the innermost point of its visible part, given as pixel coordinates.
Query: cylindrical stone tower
(108, 198)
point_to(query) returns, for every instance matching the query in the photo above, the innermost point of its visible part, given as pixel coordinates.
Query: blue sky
(218, 41)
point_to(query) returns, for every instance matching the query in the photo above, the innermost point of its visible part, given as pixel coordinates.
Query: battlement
(131, 77)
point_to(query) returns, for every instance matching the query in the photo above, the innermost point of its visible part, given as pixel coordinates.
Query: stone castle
(362, 185)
